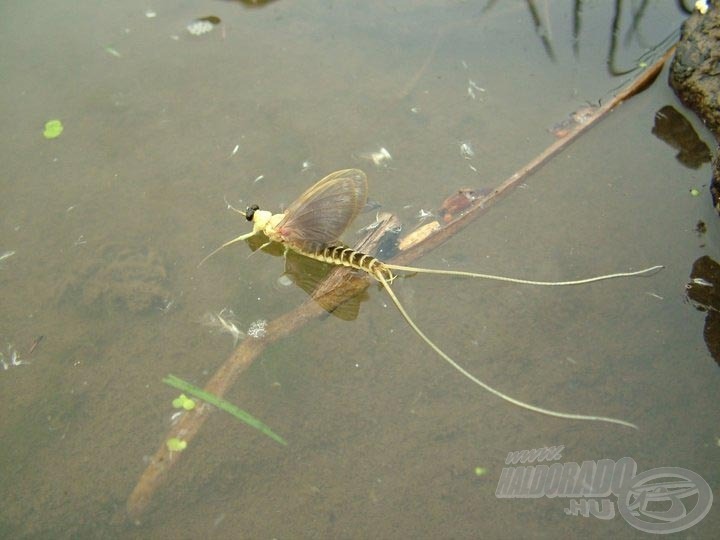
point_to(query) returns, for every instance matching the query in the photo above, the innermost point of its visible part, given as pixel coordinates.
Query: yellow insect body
(266, 222)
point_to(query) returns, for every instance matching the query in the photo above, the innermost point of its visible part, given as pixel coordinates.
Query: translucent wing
(321, 214)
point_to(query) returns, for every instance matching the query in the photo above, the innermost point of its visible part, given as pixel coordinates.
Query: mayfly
(311, 226)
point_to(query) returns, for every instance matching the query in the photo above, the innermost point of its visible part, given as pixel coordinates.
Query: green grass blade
(226, 406)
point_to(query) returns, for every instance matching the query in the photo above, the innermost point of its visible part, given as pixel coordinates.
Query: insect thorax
(266, 223)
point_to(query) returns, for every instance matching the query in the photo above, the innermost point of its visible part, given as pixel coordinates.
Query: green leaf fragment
(189, 404)
(176, 445)
(183, 402)
(53, 129)
(694, 192)
(480, 471)
(226, 406)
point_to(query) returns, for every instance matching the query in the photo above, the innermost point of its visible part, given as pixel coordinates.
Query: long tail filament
(381, 278)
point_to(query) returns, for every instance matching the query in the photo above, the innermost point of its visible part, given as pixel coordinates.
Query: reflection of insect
(312, 225)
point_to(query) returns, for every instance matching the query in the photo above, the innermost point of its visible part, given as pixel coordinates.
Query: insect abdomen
(345, 256)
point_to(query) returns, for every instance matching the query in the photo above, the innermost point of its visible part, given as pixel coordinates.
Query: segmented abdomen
(345, 256)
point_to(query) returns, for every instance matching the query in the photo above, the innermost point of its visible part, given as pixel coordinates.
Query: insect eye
(250, 211)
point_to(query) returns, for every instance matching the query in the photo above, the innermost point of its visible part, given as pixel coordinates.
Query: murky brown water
(109, 221)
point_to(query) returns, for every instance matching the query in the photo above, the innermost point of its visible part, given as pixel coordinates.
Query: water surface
(163, 129)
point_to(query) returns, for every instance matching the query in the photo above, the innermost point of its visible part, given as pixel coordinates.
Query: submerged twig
(341, 285)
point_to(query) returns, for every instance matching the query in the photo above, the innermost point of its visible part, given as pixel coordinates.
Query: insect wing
(321, 214)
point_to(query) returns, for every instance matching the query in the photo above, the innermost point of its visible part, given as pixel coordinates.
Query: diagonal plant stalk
(341, 285)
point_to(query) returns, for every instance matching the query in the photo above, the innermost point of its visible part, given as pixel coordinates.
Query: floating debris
(379, 158)
(422, 215)
(198, 28)
(466, 150)
(224, 321)
(203, 25)
(13, 357)
(150, 14)
(258, 178)
(374, 225)
(168, 304)
(258, 329)
(306, 166)
(6, 255)
(113, 51)
(480, 471)
(35, 344)
(53, 129)
(235, 150)
(183, 402)
(472, 86)
(176, 445)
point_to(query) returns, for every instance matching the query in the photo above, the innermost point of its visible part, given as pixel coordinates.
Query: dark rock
(695, 69)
